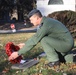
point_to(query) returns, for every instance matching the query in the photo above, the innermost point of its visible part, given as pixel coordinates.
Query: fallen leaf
(17, 71)
(5, 70)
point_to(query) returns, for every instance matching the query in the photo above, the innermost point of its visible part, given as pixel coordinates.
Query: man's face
(34, 20)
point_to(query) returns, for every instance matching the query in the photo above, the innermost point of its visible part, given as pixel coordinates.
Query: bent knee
(43, 40)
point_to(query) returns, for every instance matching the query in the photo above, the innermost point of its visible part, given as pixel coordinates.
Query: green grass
(39, 69)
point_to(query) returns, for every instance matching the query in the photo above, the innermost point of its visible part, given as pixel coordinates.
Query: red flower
(12, 26)
(10, 48)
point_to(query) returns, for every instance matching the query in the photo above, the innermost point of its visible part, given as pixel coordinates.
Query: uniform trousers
(53, 45)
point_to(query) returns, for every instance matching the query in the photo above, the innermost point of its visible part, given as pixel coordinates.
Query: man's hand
(21, 45)
(13, 56)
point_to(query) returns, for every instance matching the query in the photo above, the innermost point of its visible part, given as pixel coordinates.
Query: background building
(46, 8)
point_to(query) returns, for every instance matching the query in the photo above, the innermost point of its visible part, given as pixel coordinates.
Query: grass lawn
(39, 69)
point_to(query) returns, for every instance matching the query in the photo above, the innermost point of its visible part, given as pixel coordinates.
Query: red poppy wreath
(10, 48)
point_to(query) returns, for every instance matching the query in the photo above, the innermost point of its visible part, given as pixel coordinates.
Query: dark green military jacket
(49, 27)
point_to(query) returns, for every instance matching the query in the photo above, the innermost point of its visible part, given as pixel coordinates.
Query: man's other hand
(21, 45)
